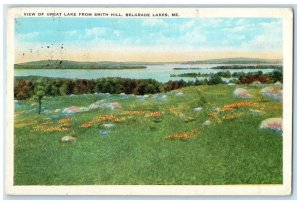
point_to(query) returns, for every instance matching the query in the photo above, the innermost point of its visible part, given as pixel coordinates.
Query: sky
(146, 39)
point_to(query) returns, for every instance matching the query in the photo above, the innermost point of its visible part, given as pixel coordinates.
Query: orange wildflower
(155, 114)
(230, 117)
(240, 104)
(212, 114)
(26, 124)
(134, 112)
(100, 119)
(183, 135)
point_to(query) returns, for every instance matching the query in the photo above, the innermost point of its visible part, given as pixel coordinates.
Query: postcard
(149, 101)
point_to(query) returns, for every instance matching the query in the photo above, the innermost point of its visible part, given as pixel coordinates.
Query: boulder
(114, 105)
(256, 112)
(278, 84)
(68, 138)
(46, 111)
(160, 98)
(241, 93)
(95, 105)
(179, 94)
(231, 85)
(256, 84)
(272, 124)
(198, 109)
(272, 93)
(74, 109)
(57, 110)
(207, 123)
(108, 125)
(104, 133)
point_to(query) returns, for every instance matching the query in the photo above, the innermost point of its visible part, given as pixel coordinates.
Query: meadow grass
(137, 149)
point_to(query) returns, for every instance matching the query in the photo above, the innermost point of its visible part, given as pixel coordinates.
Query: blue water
(158, 72)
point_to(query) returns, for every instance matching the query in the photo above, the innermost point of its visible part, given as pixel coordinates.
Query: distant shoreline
(112, 68)
(107, 65)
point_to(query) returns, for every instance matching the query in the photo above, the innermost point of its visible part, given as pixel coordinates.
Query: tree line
(30, 87)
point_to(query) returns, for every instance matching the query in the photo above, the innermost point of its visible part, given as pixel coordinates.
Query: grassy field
(139, 149)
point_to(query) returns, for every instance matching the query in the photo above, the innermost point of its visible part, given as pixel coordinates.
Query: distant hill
(240, 60)
(66, 64)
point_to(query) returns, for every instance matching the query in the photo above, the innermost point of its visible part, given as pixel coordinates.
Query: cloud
(195, 36)
(95, 32)
(263, 42)
(270, 37)
(27, 36)
(117, 33)
(154, 22)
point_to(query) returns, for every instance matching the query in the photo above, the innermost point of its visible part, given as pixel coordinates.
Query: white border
(285, 189)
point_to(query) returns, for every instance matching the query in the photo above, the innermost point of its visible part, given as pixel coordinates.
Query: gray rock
(241, 93)
(68, 138)
(108, 125)
(278, 84)
(179, 94)
(199, 109)
(256, 112)
(207, 123)
(272, 93)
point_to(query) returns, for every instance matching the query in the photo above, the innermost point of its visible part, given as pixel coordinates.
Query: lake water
(158, 72)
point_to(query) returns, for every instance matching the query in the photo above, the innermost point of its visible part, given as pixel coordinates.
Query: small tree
(39, 93)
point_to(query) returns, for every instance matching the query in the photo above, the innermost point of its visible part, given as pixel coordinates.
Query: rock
(241, 93)
(114, 105)
(84, 109)
(272, 124)
(104, 133)
(140, 98)
(207, 123)
(122, 94)
(272, 93)
(278, 84)
(231, 85)
(68, 138)
(74, 109)
(199, 109)
(95, 105)
(46, 111)
(108, 125)
(256, 112)
(146, 96)
(268, 89)
(179, 94)
(160, 98)
(57, 110)
(256, 84)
